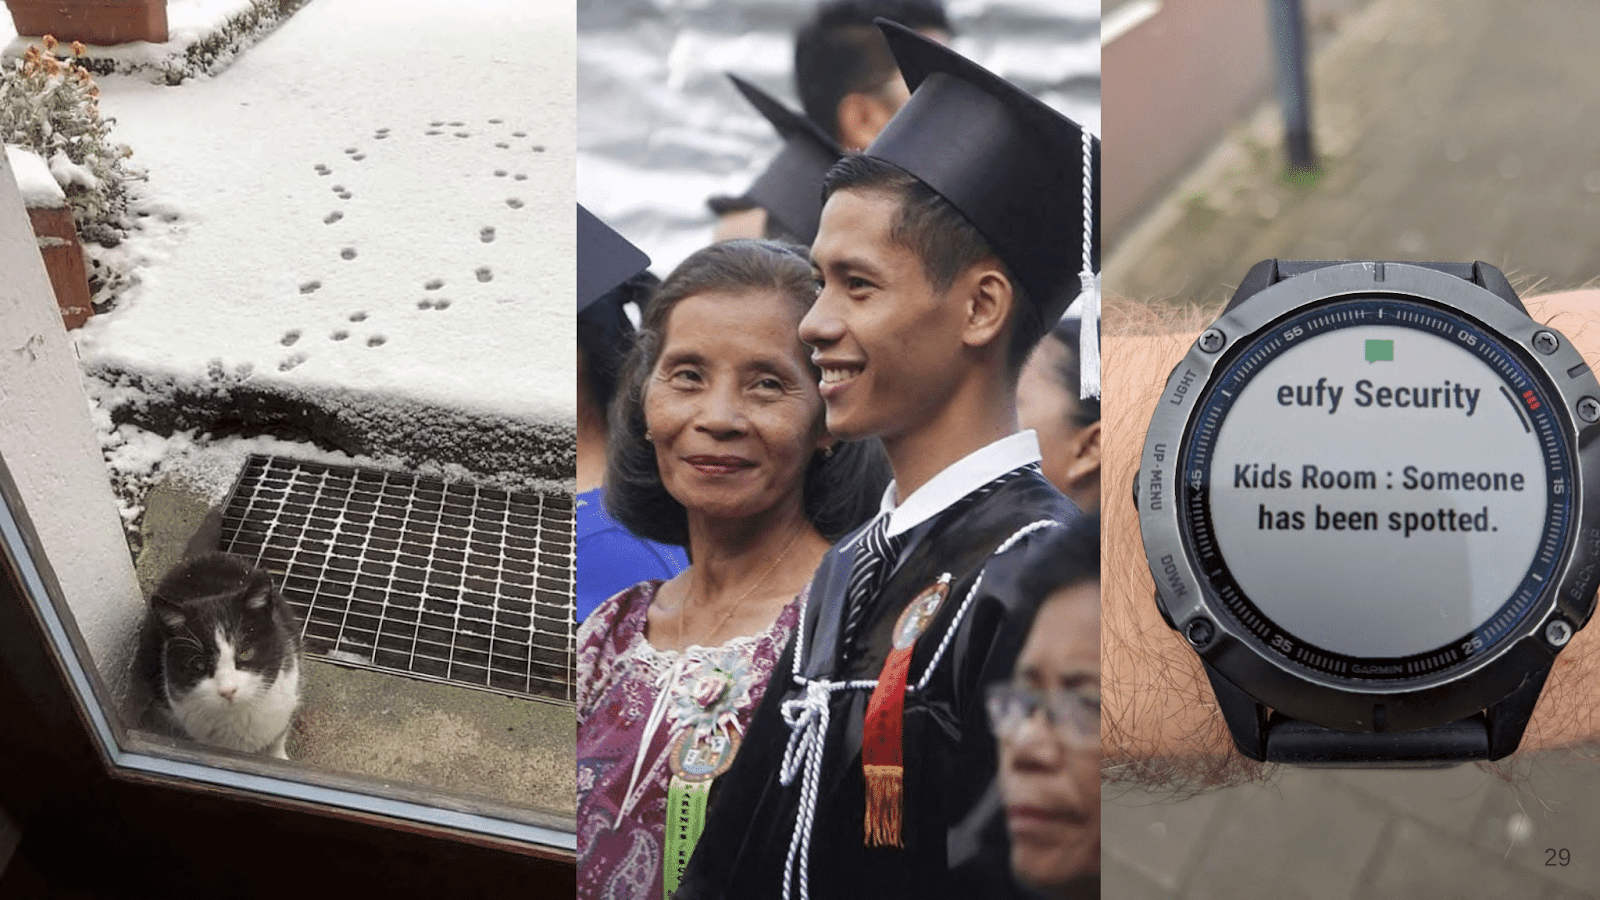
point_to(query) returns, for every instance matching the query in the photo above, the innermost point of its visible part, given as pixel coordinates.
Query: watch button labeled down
(1166, 617)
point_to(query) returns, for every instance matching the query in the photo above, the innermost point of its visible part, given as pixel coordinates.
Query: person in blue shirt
(611, 273)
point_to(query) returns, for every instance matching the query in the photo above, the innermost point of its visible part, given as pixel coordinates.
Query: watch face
(1377, 488)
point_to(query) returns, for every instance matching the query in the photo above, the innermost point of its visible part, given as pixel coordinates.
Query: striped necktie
(874, 559)
(877, 554)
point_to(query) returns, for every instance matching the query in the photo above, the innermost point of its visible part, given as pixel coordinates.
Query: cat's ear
(170, 614)
(259, 594)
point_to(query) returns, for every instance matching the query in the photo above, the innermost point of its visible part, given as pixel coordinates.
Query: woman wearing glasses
(1047, 720)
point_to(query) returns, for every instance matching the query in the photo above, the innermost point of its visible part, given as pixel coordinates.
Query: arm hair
(1160, 725)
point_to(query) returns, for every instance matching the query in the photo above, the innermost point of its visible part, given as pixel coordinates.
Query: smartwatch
(1368, 498)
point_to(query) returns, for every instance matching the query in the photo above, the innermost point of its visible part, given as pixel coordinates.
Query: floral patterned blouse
(620, 677)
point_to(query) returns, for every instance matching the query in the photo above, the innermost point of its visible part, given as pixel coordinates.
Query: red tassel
(883, 731)
(885, 805)
(882, 759)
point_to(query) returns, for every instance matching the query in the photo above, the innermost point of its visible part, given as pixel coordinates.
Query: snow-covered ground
(364, 225)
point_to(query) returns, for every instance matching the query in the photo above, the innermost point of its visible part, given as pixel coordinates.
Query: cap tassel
(1089, 338)
(1089, 283)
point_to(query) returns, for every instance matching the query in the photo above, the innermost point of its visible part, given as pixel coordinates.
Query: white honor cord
(808, 731)
(657, 712)
(972, 592)
(808, 720)
(1089, 286)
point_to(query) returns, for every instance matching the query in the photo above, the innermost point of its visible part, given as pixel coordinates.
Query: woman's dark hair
(840, 490)
(1084, 412)
(603, 333)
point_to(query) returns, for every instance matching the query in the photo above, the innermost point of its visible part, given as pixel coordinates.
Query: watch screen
(1377, 488)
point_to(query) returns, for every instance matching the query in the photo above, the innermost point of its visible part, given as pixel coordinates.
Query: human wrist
(1568, 711)
(1161, 723)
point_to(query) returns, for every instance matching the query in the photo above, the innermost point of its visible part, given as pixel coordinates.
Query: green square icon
(1380, 351)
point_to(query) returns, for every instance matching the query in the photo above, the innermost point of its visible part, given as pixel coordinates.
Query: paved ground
(1450, 131)
(1455, 834)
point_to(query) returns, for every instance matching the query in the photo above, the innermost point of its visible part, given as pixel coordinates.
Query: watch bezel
(1351, 703)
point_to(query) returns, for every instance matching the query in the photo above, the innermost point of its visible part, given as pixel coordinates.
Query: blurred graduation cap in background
(612, 273)
(790, 189)
(606, 259)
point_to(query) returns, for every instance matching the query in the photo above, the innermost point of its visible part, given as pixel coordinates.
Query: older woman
(718, 444)
(1047, 720)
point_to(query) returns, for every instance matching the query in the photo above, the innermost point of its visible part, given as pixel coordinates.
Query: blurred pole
(1294, 93)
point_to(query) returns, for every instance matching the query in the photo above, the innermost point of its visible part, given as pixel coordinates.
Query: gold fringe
(885, 805)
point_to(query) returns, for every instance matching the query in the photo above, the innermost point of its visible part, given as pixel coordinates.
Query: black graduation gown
(950, 751)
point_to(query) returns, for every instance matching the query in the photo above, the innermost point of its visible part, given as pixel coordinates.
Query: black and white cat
(228, 654)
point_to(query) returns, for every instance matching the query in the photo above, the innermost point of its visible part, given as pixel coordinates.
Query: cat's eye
(246, 654)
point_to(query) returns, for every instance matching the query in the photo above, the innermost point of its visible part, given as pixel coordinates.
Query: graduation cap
(605, 259)
(791, 187)
(1027, 177)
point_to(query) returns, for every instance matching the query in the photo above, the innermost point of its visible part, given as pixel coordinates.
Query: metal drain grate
(406, 574)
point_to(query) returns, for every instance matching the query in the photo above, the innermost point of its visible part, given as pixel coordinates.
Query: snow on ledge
(190, 24)
(39, 188)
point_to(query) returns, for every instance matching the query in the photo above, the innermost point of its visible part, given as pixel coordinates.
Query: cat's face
(223, 668)
(222, 644)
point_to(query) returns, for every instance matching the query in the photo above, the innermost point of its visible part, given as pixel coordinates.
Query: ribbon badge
(916, 618)
(882, 750)
(700, 757)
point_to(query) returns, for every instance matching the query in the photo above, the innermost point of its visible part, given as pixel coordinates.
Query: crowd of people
(838, 544)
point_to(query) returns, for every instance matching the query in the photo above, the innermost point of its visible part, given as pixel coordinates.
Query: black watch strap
(1271, 271)
(1292, 741)
(1268, 736)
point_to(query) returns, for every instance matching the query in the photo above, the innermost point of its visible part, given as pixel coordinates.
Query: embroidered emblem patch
(917, 616)
(697, 758)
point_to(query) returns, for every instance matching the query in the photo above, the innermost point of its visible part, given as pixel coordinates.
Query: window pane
(351, 341)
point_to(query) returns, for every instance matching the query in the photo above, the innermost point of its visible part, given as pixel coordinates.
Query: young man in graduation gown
(944, 252)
